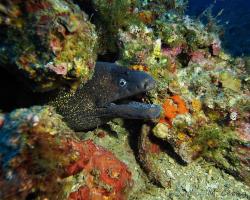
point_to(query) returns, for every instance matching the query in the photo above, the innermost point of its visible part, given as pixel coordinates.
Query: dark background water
(235, 20)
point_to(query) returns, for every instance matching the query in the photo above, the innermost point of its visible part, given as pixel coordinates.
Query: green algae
(213, 137)
(230, 82)
(112, 16)
(216, 145)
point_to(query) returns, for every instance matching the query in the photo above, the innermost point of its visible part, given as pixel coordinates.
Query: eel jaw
(134, 110)
(128, 109)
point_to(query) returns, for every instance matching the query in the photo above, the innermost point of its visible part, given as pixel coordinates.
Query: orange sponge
(172, 107)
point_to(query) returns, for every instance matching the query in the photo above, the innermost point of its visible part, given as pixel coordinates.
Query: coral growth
(41, 157)
(203, 90)
(32, 154)
(172, 107)
(105, 177)
(186, 58)
(65, 47)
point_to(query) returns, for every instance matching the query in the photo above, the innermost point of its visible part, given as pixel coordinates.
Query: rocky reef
(198, 149)
(41, 157)
(49, 42)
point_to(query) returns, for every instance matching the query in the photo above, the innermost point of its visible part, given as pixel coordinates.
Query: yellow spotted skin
(89, 105)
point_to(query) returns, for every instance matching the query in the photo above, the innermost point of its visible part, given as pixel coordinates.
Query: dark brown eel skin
(94, 103)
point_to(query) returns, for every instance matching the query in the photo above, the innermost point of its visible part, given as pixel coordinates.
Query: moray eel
(94, 103)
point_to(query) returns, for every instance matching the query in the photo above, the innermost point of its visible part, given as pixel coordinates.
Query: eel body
(94, 103)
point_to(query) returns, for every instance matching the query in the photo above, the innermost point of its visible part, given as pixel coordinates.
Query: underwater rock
(105, 177)
(203, 90)
(222, 146)
(187, 61)
(42, 158)
(33, 155)
(148, 150)
(46, 43)
(197, 180)
(111, 17)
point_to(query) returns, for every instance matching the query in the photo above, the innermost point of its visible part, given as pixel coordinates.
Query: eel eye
(122, 82)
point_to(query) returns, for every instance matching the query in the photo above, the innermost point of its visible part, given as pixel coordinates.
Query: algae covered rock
(31, 153)
(111, 16)
(203, 90)
(41, 157)
(46, 43)
(204, 93)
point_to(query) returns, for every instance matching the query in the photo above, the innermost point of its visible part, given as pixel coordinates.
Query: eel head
(113, 84)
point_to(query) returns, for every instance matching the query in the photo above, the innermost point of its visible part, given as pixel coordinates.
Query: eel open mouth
(124, 85)
(134, 110)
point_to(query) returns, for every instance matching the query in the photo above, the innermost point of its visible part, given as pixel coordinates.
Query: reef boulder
(42, 158)
(46, 43)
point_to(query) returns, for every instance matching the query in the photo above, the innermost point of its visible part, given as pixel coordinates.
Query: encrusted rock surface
(42, 158)
(203, 132)
(46, 43)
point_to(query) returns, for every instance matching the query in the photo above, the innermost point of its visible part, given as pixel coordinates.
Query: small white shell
(233, 116)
